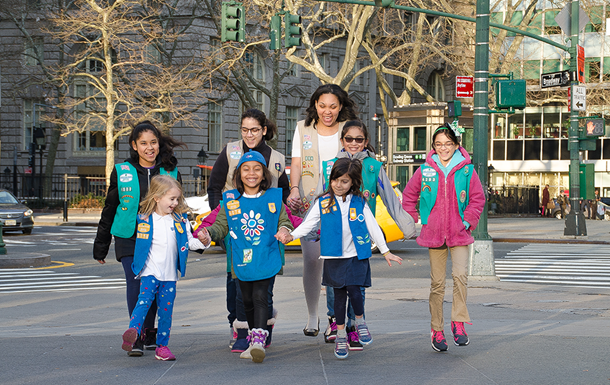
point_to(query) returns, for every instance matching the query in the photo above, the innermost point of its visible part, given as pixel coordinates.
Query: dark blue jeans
(133, 291)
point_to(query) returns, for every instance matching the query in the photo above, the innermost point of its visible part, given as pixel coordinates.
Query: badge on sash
(143, 228)
(272, 207)
(463, 196)
(230, 196)
(247, 256)
(179, 227)
(352, 214)
(278, 167)
(124, 167)
(233, 205)
(307, 145)
(125, 178)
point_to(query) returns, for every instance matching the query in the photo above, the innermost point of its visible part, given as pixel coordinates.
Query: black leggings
(355, 295)
(255, 294)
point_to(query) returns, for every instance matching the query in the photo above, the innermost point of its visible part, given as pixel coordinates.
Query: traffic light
(454, 108)
(275, 32)
(292, 31)
(595, 127)
(32, 154)
(233, 22)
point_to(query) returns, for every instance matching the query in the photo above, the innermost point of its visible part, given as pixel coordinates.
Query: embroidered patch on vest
(371, 168)
(230, 196)
(179, 227)
(235, 154)
(125, 178)
(232, 205)
(124, 167)
(247, 256)
(307, 145)
(429, 172)
(143, 236)
(426, 188)
(463, 196)
(306, 137)
(183, 249)
(352, 214)
(272, 207)
(307, 173)
(143, 228)
(232, 213)
(366, 194)
(278, 167)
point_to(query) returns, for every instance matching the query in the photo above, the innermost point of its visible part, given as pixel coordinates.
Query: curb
(538, 240)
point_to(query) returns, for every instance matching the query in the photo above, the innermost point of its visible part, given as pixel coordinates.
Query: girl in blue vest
(162, 245)
(151, 153)
(451, 201)
(343, 214)
(252, 214)
(375, 182)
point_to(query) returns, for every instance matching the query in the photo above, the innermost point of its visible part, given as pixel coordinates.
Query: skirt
(341, 272)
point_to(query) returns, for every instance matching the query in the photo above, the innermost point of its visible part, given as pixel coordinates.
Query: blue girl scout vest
(144, 242)
(129, 198)
(429, 189)
(252, 225)
(332, 227)
(370, 174)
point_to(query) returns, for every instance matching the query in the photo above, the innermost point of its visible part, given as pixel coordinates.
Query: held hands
(204, 237)
(391, 257)
(283, 235)
(294, 200)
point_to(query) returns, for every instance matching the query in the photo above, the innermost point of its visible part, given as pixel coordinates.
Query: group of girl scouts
(146, 212)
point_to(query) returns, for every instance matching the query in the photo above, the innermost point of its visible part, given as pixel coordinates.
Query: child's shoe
(129, 338)
(257, 345)
(460, 338)
(353, 341)
(164, 354)
(331, 331)
(137, 350)
(341, 351)
(438, 340)
(150, 339)
(363, 334)
(233, 334)
(242, 342)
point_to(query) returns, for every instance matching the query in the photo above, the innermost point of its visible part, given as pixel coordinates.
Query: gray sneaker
(341, 350)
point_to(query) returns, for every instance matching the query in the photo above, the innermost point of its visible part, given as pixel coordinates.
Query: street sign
(581, 64)
(579, 98)
(464, 87)
(555, 79)
(564, 19)
(595, 127)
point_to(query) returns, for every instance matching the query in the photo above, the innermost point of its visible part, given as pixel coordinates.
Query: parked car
(201, 208)
(14, 215)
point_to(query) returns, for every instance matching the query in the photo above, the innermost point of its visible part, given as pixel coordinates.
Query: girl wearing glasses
(316, 139)
(451, 201)
(255, 130)
(375, 181)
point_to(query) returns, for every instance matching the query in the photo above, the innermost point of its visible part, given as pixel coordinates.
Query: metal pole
(15, 171)
(65, 197)
(481, 262)
(40, 177)
(575, 220)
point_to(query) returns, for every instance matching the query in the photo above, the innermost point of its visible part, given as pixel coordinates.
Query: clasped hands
(204, 236)
(283, 235)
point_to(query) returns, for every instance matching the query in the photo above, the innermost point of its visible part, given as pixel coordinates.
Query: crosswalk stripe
(35, 280)
(570, 265)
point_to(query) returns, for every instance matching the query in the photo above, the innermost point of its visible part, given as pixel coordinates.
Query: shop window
(550, 149)
(499, 130)
(515, 126)
(532, 149)
(606, 149)
(565, 154)
(533, 125)
(551, 126)
(402, 139)
(597, 153)
(514, 149)
(498, 149)
(402, 176)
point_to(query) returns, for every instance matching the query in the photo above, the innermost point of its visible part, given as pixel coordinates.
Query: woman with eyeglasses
(451, 201)
(255, 130)
(316, 139)
(355, 140)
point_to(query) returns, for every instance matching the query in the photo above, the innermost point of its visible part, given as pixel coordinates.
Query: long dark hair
(353, 169)
(362, 127)
(348, 110)
(261, 118)
(265, 183)
(166, 145)
(448, 131)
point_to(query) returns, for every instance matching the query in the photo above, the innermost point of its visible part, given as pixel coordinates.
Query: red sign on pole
(570, 99)
(464, 87)
(580, 58)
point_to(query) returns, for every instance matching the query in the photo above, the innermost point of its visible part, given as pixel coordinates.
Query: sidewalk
(501, 229)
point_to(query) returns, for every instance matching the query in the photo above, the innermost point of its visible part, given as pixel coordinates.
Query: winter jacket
(122, 246)
(445, 225)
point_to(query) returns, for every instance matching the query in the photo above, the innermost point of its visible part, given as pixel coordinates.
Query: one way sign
(579, 98)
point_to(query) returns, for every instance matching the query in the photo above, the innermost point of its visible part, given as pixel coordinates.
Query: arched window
(436, 88)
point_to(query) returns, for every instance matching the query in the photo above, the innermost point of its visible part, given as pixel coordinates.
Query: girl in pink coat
(451, 200)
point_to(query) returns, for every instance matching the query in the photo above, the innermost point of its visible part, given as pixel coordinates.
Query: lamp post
(377, 120)
(202, 158)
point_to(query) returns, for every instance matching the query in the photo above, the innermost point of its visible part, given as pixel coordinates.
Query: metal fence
(79, 190)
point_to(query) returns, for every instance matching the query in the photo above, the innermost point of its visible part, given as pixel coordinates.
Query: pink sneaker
(163, 353)
(129, 337)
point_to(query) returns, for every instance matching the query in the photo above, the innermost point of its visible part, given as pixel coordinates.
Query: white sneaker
(246, 353)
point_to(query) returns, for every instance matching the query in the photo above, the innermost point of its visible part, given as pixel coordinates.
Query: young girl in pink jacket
(451, 200)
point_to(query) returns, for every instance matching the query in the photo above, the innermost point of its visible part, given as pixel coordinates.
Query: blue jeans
(330, 305)
(133, 291)
(165, 292)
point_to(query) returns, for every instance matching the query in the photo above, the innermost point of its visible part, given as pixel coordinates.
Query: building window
(152, 54)
(292, 115)
(254, 64)
(214, 127)
(419, 139)
(216, 50)
(295, 70)
(28, 124)
(402, 139)
(92, 137)
(33, 50)
(402, 176)
(436, 88)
